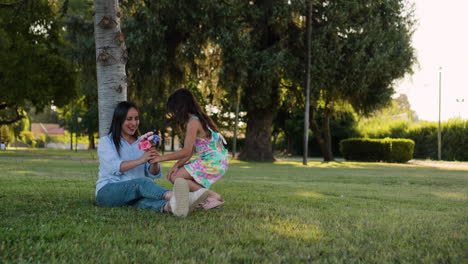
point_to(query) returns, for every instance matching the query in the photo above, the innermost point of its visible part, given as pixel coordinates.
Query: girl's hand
(155, 159)
(149, 155)
(172, 172)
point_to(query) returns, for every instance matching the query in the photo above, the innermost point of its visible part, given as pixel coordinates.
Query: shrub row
(387, 149)
(424, 134)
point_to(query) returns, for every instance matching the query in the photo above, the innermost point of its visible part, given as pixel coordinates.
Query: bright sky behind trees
(440, 41)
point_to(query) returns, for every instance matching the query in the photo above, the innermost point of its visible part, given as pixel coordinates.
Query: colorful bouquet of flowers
(148, 140)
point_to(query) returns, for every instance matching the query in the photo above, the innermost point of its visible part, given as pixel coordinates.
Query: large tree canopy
(255, 45)
(359, 48)
(33, 70)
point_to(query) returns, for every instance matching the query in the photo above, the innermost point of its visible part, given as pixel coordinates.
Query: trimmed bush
(387, 149)
(401, 150)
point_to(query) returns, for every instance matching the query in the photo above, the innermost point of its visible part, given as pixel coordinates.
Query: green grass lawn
(282, 212)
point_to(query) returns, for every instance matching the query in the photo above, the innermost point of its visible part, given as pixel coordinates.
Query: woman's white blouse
(109, 162)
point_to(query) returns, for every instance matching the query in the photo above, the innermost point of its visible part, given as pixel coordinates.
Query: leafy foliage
(32, 69)
(81, 116)
(290, 124)
(167, 46)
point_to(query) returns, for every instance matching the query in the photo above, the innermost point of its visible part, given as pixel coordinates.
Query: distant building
(47, 128)
(168, 141)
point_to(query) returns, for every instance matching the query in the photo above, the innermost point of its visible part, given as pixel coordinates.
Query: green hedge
(387, 149)
(424, 134)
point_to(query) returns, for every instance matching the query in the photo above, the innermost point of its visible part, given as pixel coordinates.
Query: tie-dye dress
(213, 161)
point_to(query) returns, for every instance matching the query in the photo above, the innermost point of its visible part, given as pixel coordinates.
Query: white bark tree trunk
(111, 57)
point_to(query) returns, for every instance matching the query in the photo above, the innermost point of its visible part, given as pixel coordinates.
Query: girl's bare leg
(193, 185)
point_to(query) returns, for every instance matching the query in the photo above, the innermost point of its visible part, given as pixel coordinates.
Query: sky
(441, 42)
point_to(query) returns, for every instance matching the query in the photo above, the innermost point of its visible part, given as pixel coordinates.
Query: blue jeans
(141, 193)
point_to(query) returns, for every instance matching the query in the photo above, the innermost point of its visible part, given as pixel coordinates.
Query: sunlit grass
(314, 195)
(451, 195)
(296, 230)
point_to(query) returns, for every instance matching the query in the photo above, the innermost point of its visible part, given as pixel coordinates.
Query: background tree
(359, 50)
(78, 20)
(33, 71)
(255, 40)
(169, 48)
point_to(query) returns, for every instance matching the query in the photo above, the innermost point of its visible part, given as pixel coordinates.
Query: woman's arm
(192, 129)
(154, 168)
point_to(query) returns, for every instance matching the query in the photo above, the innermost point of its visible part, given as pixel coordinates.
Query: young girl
(203, 136)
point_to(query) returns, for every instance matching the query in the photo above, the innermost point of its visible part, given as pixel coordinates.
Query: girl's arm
(179, 164)
(192, 129)
(182, 161)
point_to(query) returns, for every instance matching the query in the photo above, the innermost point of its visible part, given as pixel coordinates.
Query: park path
(427, 163)
(440, 164)
(31, 154)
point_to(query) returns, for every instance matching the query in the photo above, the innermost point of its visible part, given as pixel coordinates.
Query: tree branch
(4, 5)
(13, 119)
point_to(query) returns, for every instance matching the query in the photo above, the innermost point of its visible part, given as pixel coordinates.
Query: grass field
(282, 212)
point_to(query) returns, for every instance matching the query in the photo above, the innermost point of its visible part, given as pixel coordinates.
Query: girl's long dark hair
(181, 103)
(120, 114)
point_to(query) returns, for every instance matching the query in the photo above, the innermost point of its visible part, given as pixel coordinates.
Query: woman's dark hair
(120, 114)
(181, 103)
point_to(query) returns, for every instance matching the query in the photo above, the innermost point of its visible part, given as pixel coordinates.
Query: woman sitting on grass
(125, 173)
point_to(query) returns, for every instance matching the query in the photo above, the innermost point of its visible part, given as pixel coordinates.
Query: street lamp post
(439, 134)
(460, 101)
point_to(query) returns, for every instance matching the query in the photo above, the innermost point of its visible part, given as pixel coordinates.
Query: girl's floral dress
(212, 163)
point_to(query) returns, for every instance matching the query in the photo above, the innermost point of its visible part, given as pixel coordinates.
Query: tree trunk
(308, 68)
(76, 142)
(71, 140)
(328, 154)
(323, 134)
(91, 144)
(290, 147)
(173, 134)
(111, 56)
(236, 124)
(258, 138)
(162, 143)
